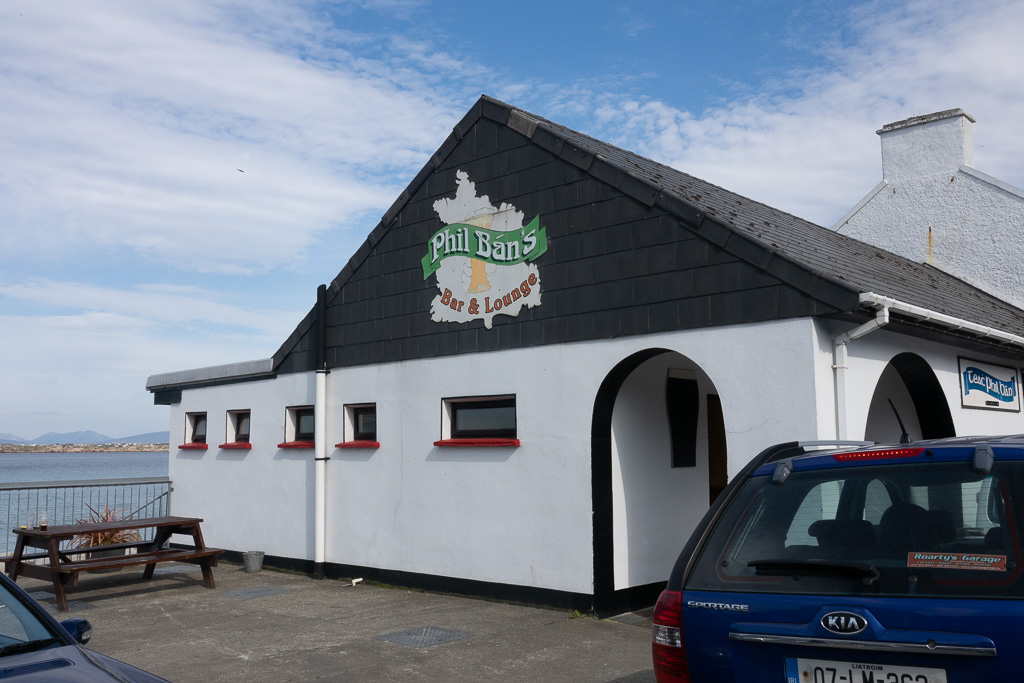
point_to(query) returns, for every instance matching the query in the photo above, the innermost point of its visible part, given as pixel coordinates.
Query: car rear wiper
(27, 646)
(774, 567)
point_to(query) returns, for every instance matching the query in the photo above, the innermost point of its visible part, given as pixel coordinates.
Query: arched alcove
(658, 457)
(910, 383)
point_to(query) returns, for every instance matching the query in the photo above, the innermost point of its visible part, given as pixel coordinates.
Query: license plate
(822, 671)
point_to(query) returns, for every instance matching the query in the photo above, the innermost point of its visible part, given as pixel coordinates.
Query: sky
(176, 178)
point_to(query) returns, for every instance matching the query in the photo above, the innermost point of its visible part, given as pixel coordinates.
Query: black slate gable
(634, 248)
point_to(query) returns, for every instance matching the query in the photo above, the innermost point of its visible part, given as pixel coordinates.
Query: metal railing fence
(68, 502)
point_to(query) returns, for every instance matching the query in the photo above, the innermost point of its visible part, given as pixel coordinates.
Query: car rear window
(892, 529)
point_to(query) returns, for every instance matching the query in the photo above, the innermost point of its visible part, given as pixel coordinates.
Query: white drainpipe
(839, 365)
(320, 474)
(320, 438)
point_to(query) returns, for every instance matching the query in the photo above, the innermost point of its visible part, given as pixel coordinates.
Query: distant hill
(71, 437)
(87, 437)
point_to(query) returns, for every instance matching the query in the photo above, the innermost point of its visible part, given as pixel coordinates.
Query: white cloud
(807, 144)
(126, 125)
(152, 305)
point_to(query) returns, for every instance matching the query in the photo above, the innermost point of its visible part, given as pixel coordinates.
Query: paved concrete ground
(277, 626)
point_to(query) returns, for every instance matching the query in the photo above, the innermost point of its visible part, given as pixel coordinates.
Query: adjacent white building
(932, 206)
(549, 357)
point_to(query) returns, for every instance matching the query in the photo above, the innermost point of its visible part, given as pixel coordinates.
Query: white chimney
(927, 145)
(934, 207)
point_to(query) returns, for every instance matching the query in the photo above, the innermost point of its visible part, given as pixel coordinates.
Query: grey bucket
(253, 560)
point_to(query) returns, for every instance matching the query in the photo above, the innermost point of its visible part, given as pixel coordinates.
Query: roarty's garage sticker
(985, 563)
(481, 258)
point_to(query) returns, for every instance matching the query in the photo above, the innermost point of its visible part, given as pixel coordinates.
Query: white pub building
(551, 353)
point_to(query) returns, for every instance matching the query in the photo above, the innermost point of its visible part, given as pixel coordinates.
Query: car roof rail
(837, 442)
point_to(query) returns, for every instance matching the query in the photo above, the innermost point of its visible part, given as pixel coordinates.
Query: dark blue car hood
(70, 664)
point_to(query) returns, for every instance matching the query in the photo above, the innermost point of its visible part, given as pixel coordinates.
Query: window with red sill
(237, 430)
(299, 428)
(479, 421)
(195, 432)
(360, 426)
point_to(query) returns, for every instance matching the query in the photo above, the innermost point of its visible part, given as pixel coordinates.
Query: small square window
(360, 426)
(238, 426)
(299, 428)
(195, 428)
(486, 417)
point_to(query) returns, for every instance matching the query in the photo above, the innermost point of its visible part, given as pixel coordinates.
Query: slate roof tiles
(849, 263)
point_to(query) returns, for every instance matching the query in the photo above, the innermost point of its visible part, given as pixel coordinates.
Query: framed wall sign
(987, 386)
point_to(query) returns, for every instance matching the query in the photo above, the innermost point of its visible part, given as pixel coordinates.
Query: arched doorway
(658, 458)
(910, 383)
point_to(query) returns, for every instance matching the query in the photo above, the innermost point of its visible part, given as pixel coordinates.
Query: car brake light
(667, 639)
(880, 454)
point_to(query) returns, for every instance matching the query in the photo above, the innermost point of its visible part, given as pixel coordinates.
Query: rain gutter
(884, 306)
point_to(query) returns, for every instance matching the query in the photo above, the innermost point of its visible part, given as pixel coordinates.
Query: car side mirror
(79, 629)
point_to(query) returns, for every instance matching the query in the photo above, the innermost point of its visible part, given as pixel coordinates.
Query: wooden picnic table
(62, 565)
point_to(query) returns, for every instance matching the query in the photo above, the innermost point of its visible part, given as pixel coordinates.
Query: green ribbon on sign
(483, 244)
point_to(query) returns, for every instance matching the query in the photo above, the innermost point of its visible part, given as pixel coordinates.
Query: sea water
(56, 468)
(52, 467)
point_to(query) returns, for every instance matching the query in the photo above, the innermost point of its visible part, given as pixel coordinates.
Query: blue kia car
(827, 563)
(35, 647)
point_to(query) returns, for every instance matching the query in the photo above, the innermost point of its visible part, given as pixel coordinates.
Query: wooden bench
(149, 559)
(63, 565)
(25, 557)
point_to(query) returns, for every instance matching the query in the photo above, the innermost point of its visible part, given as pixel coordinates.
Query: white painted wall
(929, 185)
(521, 516)
(250, 500)
(869, 358)
(506, 515)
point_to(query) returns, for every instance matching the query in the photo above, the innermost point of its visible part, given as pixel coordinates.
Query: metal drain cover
(257, 592)
(425, 636)
(41, 595)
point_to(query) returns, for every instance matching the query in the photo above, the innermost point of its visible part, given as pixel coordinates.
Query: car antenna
(904, 436)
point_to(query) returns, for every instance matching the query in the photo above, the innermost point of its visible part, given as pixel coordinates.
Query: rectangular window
(490, 418)
(364, 423)
(242, 426)
(195, 431)
(305, 424)
(299, 428)
(479, 421)
(360, 426)
(920, 529)
(196, 428)
(238, 426)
